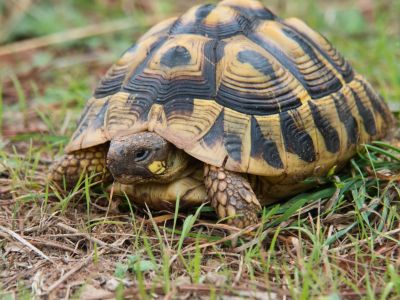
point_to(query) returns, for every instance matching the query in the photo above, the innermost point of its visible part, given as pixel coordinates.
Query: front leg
(231, 196)
(72, 166)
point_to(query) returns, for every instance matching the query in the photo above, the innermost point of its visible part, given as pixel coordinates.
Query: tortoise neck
(179, 164)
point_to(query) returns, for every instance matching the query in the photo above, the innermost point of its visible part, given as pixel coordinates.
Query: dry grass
(94, 248)
(340, 240)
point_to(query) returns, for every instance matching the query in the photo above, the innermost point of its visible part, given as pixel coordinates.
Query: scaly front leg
(71, 166)
(231, 196)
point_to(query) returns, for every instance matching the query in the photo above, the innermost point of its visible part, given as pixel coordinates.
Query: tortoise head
(145, 157)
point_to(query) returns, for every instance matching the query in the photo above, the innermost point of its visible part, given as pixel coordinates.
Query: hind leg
(231, 196)
(72, 166)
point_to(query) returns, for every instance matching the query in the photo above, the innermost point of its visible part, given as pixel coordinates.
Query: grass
(340, 240)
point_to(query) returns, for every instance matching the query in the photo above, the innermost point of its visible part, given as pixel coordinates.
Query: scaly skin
(230, 193)
(231, 196)
(71, 166)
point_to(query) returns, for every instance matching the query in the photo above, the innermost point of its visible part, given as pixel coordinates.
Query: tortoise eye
(141, 155)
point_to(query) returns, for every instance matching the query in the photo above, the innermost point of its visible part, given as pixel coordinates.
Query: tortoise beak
(124, 174)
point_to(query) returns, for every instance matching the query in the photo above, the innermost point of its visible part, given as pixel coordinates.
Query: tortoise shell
(234, 85)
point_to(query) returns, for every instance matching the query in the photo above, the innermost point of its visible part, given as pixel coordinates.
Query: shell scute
(236, 86)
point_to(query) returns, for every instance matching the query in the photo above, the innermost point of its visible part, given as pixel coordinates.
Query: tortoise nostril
(121, 152)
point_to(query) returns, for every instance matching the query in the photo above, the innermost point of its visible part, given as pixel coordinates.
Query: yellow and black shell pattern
(234, 85)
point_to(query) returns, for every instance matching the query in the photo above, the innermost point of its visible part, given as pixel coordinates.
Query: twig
(71, 272)
(87, 236)
(252, 242)
(230, 237)
(54, 244)
(239, 272)
(200, 289)
(24, 274)
(69, 35)
(7, 202)
(351, 245)
(25, 242)
(90, 238)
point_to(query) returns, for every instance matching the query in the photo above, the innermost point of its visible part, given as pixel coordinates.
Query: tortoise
(228, 103)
